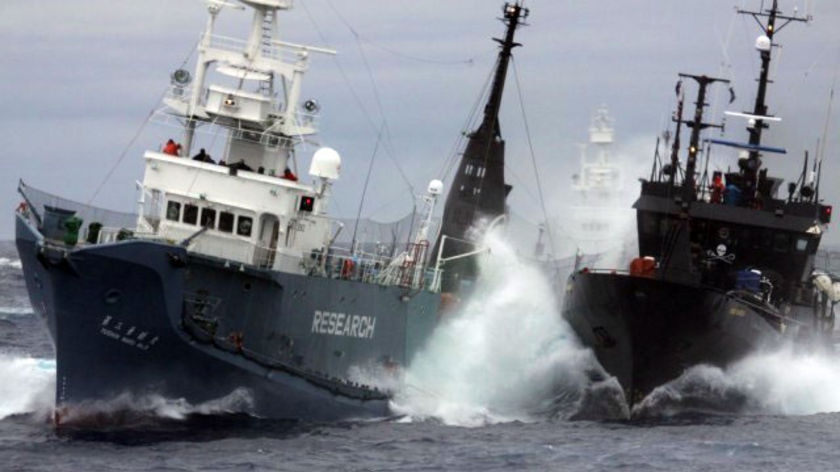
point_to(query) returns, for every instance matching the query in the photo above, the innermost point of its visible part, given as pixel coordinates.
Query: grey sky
(79, 79)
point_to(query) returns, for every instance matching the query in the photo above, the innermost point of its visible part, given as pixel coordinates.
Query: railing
(338, 264)
(278, 51)
(183, 94)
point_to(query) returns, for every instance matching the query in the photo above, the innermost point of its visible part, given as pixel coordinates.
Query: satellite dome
(763, 43)
(435, 187)
(326, 163)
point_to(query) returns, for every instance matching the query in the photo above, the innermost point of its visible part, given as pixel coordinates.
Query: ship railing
(181, 96)
(342, 263)
(112, 234)
(277, 50)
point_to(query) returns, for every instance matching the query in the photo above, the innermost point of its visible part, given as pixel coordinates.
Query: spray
(781, 382)
(505, 355)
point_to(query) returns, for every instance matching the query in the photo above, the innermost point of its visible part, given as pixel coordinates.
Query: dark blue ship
(726, 261)
(229, 280)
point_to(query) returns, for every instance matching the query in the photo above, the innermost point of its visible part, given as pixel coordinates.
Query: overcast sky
(78, 80)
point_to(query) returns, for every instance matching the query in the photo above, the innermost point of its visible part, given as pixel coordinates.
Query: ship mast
(764, 45)
(479, 189)
(696, 125)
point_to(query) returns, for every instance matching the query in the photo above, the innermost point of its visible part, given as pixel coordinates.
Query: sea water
(474, 399)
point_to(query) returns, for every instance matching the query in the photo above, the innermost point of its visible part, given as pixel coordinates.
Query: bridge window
(801, 244)
(243, 227)
(208, 218)
(190, 214)
(173, 211)
(226, 222)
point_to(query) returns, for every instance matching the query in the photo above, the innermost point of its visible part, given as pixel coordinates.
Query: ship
(597, 217)
(725, 263)
(227, 282)
(477, 200)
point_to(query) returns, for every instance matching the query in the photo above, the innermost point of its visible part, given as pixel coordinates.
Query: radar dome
(326, 163)
(763, 43)
(435, 187)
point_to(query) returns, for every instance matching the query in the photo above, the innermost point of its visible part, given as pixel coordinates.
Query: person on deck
(203, 157)
(289, 175)
(172, 148)
(717, 188)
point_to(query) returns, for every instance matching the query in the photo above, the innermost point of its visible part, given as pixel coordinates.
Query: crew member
(717, 188)
(172, 148)
(203, 157)
(289, 175)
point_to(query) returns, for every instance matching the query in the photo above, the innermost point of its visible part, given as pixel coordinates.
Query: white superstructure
(598, 217)
(245, 206)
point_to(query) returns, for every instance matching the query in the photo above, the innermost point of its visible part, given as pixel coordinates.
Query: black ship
(228, 281)
(726, 264)
(477, 198)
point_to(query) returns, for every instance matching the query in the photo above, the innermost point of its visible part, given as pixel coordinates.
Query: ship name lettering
(342, 324)
(109, 333)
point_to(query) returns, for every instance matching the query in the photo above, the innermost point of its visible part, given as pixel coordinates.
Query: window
(190, 214)
(173, 211)
(208, 218)
(226, 222)
(243, 228)
(801, 244)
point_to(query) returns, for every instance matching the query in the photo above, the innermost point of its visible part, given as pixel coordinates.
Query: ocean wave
(5, 311)
(503, 355)
(28, 385)
(128, 410)
(13, 263)
(782, 382)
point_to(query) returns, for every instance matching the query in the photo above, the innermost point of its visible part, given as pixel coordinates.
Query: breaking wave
(27, 386)
(132, 411)
(13, 263)
(504, 354)
(784, 382)
(18, 310)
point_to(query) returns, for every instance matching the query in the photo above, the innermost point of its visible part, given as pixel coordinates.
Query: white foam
(505, 355)
(6, 262)
(782, 382)
(790, 383)
(27, 386)
(16, 310)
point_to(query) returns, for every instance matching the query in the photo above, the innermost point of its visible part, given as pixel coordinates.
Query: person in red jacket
(289, 175)
(172, 148)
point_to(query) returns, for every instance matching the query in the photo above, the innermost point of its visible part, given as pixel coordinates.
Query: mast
(764, 44)
(697, 125)
(479, 189)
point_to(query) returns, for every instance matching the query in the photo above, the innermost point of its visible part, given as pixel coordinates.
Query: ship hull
(647, 331)
(147, 318)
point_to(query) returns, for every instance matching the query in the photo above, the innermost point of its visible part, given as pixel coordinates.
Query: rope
(453, 159)
(533, 157)
(136, 135)
(364, 190)
(376, 96)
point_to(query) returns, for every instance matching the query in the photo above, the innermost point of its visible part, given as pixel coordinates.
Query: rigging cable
(378, 101)
(364, 189)
(533, 156)
(453, 159)
(137, 134)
